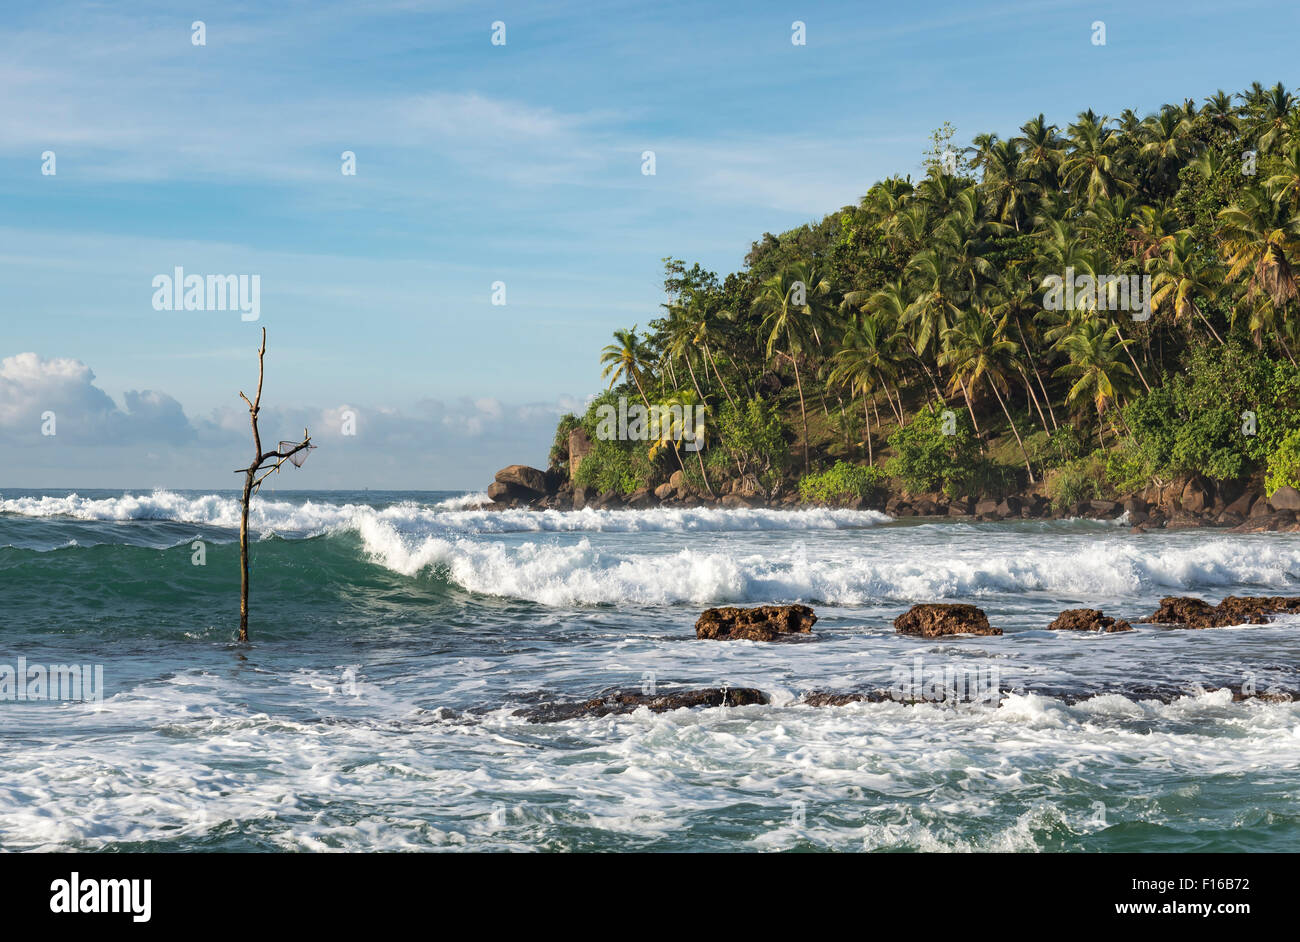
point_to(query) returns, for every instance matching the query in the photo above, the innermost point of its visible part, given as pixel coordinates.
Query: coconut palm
(1181, 275)
(626, 359)
(865, 361)
(1091, 169)
(790, 317)
(1261, 239)
(976, 350)
(1095, 364)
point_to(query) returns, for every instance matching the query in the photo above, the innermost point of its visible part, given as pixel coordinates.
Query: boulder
(678, 480)
(1136, 505)
(580, 447)
(1104, 508)
(1010, 507)
(987, 507)
(764, 623)
(937, 620)
(640, 499)
(1285, 498)
(503, 493)
(1233, 610)
(523, 477)
(1087, 619)
(1194, 499)
(665, 491)
(1241, 506)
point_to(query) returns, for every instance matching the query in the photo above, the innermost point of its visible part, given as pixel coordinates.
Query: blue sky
(475, 164)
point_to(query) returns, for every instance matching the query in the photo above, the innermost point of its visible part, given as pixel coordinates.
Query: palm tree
(625, 359)
(1180, 275)
(1285, 184)
(1269, 114)
(1221, 112)
(977, 349)
(678, 422)
(864, 362)
(1042, 148)
(1099, 373)
(1165, 140)
(1261, 237)
(786, 299)
(1091, 170)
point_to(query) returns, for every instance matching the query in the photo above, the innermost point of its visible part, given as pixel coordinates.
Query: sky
(477, 165)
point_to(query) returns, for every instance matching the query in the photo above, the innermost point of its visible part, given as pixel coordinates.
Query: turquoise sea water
(394, 634)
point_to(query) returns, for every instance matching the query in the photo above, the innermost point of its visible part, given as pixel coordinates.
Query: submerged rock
(1087, 619)
(764, 623)
(626, 701)
(936, 620)
(1233, 610)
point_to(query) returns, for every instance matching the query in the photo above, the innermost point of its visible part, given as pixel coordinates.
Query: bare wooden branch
(252, 482)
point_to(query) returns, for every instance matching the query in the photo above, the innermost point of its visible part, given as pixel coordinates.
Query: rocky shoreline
(1178, 505)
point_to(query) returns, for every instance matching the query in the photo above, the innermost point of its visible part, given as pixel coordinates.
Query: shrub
(1284, 464)
(926, 459)
(1196, 422)
(749, 440)
(1080, 479)
(841, 483)
(559, 457)
(1049, 450)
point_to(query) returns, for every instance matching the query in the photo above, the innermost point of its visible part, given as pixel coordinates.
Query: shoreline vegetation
(1085, 320)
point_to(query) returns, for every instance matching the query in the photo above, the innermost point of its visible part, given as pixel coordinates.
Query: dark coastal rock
(1285, 498)
(626, 701)
(1136, 692)
(1104, 508)
(523, 478)
(936, 620)
(1087, 619)
(580, 447)
(641, 499)
(1234, 610)
(823, 698)
(504, 493)
(764, 623)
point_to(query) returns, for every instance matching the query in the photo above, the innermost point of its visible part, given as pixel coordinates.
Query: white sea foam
(448, 516)
(587, 573)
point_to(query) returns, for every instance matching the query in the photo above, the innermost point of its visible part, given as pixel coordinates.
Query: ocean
(395, 634)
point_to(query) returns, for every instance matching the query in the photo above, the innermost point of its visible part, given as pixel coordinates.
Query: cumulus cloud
(58, 394)
(149, 440)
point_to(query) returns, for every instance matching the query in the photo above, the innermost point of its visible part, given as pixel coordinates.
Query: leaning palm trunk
(1033, 365)
(965, 394)
(726, 392)
(1014, 431)
(1131, 359)
(803, 410)
(866, 413)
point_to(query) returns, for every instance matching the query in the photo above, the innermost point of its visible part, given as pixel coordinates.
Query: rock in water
(1233, 610)
(522, 476)
(764, 623)
(935, 620)
(626, 701)
(1087, 619)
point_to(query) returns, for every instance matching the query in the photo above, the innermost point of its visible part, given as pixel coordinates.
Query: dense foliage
(946, 294)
